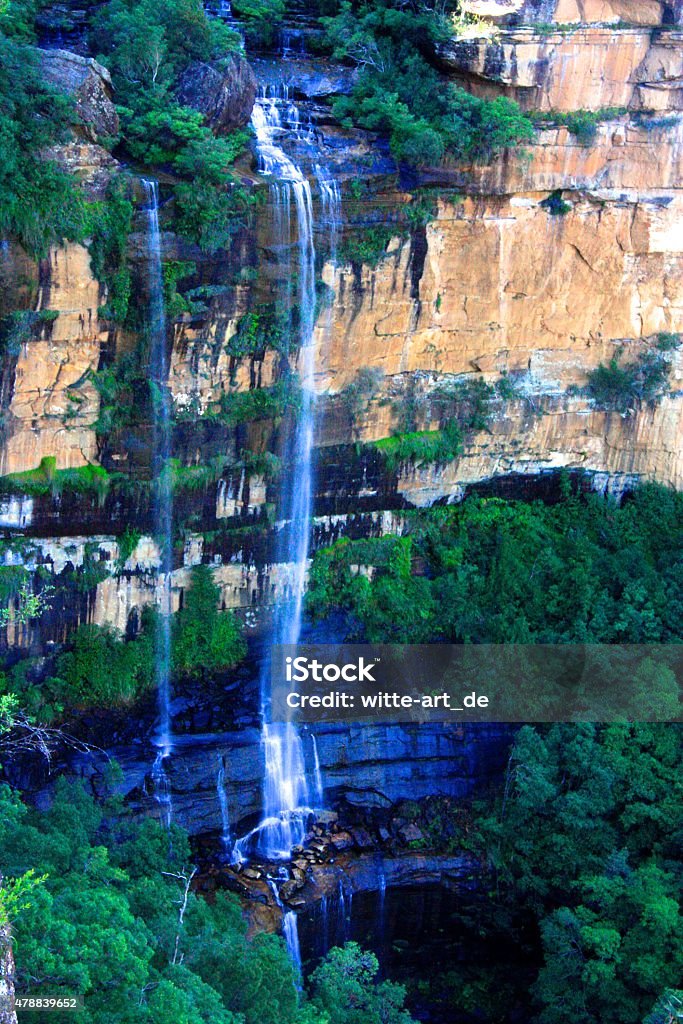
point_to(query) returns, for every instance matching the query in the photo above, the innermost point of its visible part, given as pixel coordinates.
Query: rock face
(587, 68)
(54, 404)
(564, 12)
(89, 84)
(225, 94)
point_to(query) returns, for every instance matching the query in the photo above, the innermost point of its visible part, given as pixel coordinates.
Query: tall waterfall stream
(287, 790)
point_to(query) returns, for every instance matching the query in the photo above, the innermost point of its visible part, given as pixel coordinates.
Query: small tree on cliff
(205, 639)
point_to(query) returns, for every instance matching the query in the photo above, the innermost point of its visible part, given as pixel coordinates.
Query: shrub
(421, 446)
(400, 95)
(620, 387)
(205, 641)
(102, 670)
(111, 225)
(39, 204)
(555, 204)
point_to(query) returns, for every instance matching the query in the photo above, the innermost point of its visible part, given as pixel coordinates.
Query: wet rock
(252, 873)
(342, 840)
(327, 818)
(92, 165)
(225, 94)
(363, 839)
(287, 889)
(410, 833)
(90, 85)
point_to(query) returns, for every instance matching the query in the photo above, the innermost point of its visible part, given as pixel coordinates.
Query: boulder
(89, 83)
(225, 94)
(342, 840)
(410, 833)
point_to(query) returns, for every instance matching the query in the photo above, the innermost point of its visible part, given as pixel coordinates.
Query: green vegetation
(112, 221)
(583, 570)
(147, 46)
(261, 403)
(261, 20)
(555, 204)
(21, 326)
(399, 94)
(47, 479)
(421, 446)
(99, 668)
(586, 837)
(103, 906)
(460, 407)
(582, 124)
(262, 328)
(621, 386)
(205, 641)
(345, 990)
(38, 202)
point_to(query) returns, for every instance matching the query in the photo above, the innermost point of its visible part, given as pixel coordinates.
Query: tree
(346, 989)
(205, 640)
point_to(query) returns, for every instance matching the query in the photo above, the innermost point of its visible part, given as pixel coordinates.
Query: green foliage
(47, 479)
(582, 124)
(421, 446)
(174, 271)
(210, 216)
(345, 988)
(29, 605)
(205, 641)
(262, 328)
(398, 94)
(366, 245)
(111, 224)
(261, 403)
(39, 204)
(124, 393)
(582, 570)
(261, 19)
(555, 204)
(586, 837)
(22, 326)
(147, 46)
(460, 407)
(621, 386)
(105, 923)
(102, 670)
(128, 541)
(359, 392)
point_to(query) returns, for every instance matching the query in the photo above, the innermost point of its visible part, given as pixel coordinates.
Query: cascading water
(223, 804)
(317, 774)
(290, 922)
(286, 802)
(163, 507)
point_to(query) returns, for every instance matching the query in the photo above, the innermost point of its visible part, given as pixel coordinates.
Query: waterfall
(223, 804)
(382, 893)
(290, 923)
(290, 931)
(317, 774)
(163, 509)
(286, 809)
